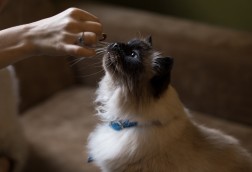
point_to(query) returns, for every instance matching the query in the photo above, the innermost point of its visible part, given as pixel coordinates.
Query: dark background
(235, 14)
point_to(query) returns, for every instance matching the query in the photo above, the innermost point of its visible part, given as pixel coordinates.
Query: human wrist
(29, 40)
(15, 45)
(20, 40)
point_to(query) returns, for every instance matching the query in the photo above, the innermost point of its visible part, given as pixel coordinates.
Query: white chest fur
(177, 144)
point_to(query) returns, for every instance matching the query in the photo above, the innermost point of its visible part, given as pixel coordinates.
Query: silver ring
(81, 40)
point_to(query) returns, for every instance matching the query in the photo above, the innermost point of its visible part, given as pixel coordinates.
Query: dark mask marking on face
(138, 67)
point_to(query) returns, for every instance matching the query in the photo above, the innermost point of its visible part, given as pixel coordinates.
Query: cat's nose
(116, 46)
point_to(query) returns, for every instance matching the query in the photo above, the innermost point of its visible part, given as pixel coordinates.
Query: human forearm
(14, 45)
(56, 35)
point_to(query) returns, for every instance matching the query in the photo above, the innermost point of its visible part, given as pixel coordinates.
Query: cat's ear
(148, 39)
(162, 67)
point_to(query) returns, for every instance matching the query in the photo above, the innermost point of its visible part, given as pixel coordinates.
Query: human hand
(59, 34)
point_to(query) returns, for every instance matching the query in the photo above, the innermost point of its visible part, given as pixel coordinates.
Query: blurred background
(236, 14)
(225, 13)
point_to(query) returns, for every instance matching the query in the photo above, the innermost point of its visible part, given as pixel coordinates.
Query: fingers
(89, 38)
(86, 26)
(72, 32)
(85, 20)
(78, 51)
(82, 21)
(81, 39)
(82, 15)
(90, 26)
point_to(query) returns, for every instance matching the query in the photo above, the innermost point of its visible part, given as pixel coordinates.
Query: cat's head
(137, 68)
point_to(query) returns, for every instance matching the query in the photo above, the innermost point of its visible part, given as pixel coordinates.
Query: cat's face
(138, 68)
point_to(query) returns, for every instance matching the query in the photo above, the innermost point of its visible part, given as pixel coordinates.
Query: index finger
(90, 26)
(82, 15)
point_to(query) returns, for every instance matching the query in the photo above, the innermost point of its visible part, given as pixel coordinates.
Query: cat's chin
(110, 61)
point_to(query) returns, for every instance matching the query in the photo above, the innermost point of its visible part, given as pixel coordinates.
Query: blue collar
(119, 125)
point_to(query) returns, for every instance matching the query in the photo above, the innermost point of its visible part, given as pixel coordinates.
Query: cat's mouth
(110, 61)
(112, 58)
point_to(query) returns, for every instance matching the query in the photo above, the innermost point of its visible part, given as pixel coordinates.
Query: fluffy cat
(12, 142)
(145, 127)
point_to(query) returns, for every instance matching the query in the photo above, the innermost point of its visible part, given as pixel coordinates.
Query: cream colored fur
(166, 139)
(12, 142)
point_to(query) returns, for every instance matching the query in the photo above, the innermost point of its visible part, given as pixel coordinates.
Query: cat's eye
(134, 54)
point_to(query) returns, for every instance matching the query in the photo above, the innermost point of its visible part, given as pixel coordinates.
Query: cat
(13, 146)
(145, 127)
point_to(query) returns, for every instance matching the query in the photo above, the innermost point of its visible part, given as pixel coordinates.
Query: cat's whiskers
(75, 61)
(97, 64)
(114, 71)
(102, 70)
(100, 49)
(84, 76)
(102, 43)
